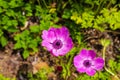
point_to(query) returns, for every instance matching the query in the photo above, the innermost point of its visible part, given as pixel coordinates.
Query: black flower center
(57, 44)
(87, 63)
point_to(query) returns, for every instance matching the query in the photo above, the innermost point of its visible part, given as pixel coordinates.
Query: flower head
(57, 41)
(87, 62)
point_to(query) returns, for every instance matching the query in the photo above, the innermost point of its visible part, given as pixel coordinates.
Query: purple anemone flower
(87, 62)
(57, 41)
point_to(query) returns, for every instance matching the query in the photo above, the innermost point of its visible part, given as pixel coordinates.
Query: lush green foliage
(42, 74)
(5, 78)
(75, 14)
(28, 41)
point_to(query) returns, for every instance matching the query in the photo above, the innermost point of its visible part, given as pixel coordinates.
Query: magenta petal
(90, 72)
(62, 51)
(47, 45)
(82, 69)
(84, 53)
(44, 34)
(52, 29)
(65, 31)
(87, 53)
(98, 63)
(58, 33)
(51, 36)
(68, 44)
(78, 61)
(54, 52)
(62, 33)
(66, 47)
(68, 41)
(92, 53)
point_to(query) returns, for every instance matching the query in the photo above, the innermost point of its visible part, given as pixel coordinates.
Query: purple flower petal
(58, 33)
(54, 52)
(83, 53)
(52, 29)
(44, 34)
(47, 45)
(51, 36)
(62, 51)
(66, 48)
(87, 53)
(78, 61)
(62, 33)
(92, 53)
(82, 69)
(90, 72)
(98, 63)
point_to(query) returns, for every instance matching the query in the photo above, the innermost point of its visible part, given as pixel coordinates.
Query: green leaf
(5, 78)
(1, 10)
(1, 33)
(3, 41)
(118, 67)
(66, 14)
(105, 42)
(35, 28)
(112, 64)
(4, 4)
(10, 12)
(25, 54)
(17, 45)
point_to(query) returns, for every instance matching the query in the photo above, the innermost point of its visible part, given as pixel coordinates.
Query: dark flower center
(87, 63)
(57, 44)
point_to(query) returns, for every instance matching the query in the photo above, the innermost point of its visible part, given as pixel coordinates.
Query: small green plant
(107, 19)
(46, 19)
(28, 42)
(105, 43)
(5, 78)
(42, 74)
(66, 72)
(12, 17)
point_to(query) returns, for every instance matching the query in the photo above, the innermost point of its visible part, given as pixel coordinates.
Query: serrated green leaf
(1, 33)
(35, 29)
(105, 42)
(25, 54)
(17, 45)
(3, 41)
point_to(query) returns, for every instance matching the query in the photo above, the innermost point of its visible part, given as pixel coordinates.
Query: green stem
(44, 3)
(70, 60)
(59, 5)
(100, 6)
(109, 71)
(109, 4)
(38, 2)
(104, 53)
(116, 5)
